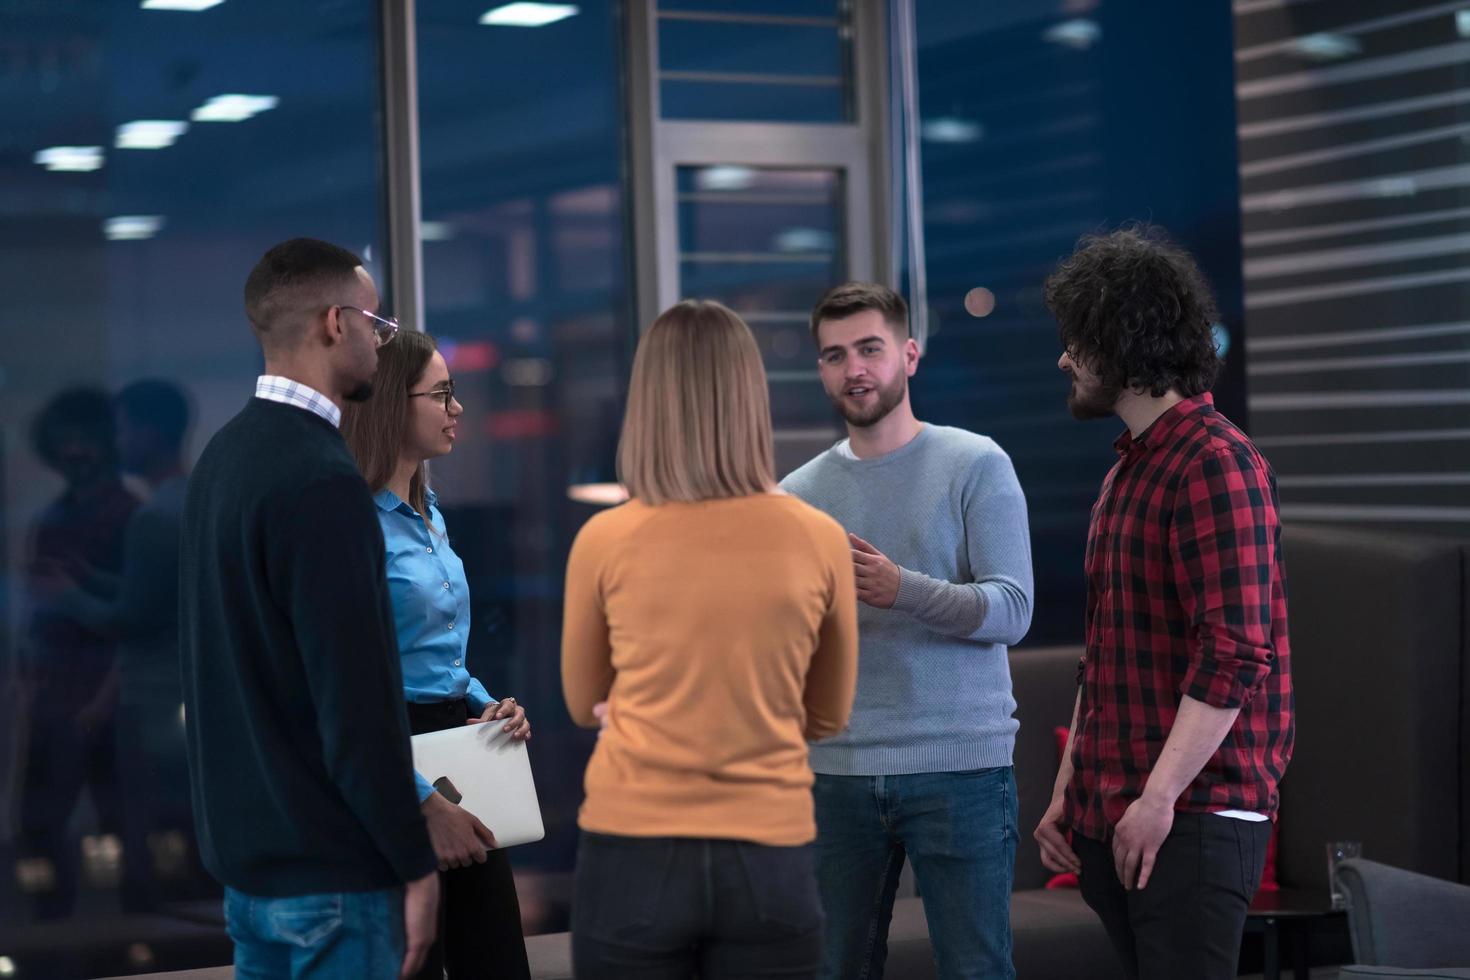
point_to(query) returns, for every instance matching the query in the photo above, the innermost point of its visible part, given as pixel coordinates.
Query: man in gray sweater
(942, 556)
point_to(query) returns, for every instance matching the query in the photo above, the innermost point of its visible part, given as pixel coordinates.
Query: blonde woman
(716, 617)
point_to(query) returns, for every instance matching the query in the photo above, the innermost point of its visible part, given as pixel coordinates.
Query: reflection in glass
(786, 62)
(768, 242)
(195, 143)
(527, 290)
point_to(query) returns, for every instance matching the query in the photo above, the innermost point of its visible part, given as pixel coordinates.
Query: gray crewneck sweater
(934, 686)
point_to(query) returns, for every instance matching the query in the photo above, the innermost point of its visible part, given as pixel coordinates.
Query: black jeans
(1188, 921)
(479, 913)
(667, 908)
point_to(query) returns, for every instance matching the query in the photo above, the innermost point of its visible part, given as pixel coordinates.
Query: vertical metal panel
(401, 162)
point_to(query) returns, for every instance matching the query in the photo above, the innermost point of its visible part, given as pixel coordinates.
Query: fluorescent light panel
(528, 14)
(193, 6)
(132, 227)
(70, 159)
(725, 177)
(950, 129)
(233, 107)
(1079, 34)
(149, 134)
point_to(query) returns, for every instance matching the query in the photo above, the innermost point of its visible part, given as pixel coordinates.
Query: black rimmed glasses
(385, 328)
(441, 393)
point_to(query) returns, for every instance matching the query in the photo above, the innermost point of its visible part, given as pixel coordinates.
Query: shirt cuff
(424, 788)
(912, 588)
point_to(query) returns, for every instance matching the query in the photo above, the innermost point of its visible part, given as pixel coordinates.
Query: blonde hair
(698, 424)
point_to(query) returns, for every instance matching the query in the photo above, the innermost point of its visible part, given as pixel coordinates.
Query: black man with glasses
(299, 760)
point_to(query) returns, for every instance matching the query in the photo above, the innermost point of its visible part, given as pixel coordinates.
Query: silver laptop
(484, 770)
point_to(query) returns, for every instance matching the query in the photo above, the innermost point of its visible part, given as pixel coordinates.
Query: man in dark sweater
(298, 741)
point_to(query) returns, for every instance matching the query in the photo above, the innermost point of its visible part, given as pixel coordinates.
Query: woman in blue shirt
(411, 418)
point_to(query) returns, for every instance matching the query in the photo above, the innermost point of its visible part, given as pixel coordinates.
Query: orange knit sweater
(723, 635)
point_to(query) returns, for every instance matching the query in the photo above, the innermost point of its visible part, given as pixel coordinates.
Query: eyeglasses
(385, 328)
(444, 394)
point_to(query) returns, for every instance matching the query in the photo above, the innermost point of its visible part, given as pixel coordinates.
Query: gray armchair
(1405, 924)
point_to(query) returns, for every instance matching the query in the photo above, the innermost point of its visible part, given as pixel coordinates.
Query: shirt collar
(274, 388)
(388, 500)
(1165, 425)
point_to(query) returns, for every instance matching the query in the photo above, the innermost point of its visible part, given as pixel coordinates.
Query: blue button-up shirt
(431, 608)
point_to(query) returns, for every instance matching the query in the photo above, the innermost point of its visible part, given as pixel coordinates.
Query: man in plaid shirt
(1183, 723)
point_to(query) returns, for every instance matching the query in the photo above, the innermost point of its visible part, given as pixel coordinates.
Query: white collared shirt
(274, 388)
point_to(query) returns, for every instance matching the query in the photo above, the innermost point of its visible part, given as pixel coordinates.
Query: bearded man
(942, 556)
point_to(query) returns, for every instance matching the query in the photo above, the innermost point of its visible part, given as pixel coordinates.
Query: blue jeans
(333, 936)
(959, 829)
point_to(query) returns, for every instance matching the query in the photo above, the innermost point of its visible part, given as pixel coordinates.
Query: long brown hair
(698, 424)
(374, 428)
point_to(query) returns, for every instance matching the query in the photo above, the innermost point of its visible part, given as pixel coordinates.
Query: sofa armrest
(1402, 919)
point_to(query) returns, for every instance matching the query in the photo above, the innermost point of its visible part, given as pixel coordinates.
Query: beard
(888, 399)
(361, 393)
(1095, 403)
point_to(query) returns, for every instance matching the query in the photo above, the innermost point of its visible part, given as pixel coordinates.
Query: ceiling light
(804, 240)
(528, 14)
(1079, 34)
(1462, 22)
(132, 227)
(435, 231)
(73, 159)
(193, 6)
(724, 178)
(1326, 47)
(949, 129)
(233, 108)
(149, 134)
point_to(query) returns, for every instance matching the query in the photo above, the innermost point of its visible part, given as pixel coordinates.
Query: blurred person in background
(139, 609)
(71, 670)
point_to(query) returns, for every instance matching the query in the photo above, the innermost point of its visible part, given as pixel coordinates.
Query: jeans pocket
(783, 887)
(619, 884)
(304, 920)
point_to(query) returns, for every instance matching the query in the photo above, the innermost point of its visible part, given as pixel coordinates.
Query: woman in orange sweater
(717, 618)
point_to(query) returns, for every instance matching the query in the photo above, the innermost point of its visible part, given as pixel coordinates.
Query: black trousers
(670, 908)
(479, 913)
(1188, 921)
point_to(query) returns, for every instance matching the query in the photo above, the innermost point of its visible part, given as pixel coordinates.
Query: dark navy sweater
(298, 739)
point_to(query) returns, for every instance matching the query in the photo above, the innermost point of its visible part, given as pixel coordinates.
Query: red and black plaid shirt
(1186, 595)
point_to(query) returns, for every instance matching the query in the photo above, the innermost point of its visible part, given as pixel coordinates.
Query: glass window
(761, 61)
(768, 242)
(149, 158)
(1032, 135)
(527, 290)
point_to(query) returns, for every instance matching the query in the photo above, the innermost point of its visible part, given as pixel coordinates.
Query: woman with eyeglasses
(412, 418)
(711, 627)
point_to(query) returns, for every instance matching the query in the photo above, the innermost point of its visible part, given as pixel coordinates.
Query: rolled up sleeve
(1222, 542)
